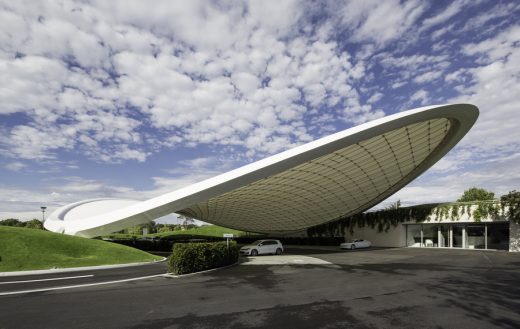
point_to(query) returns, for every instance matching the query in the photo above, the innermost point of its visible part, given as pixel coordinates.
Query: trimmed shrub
(194, 257)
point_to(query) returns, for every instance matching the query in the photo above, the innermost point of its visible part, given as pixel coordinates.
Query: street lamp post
(43, 214)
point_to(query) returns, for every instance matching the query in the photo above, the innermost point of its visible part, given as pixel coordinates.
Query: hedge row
(194, 257)
(167, 244)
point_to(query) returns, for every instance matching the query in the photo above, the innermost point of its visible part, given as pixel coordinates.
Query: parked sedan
(260, 247)
(358, 243)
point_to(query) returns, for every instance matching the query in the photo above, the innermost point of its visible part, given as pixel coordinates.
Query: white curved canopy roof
(335, 176)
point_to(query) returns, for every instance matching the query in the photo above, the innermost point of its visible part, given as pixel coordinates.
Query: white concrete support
(485, 236)
(335, 176)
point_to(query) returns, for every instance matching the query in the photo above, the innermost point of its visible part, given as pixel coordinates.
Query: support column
(485, 236)
(464, 242)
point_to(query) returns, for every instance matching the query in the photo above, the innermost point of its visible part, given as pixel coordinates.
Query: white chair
(428, 243)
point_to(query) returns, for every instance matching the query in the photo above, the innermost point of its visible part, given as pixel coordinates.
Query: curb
(76, 269)
(169, 274)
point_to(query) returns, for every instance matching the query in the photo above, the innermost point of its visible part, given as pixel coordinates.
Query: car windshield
(257, 242)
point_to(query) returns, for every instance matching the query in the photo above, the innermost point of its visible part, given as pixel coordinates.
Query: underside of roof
(339, 184)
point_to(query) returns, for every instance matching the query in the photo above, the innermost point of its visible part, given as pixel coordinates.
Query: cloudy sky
(136, 98)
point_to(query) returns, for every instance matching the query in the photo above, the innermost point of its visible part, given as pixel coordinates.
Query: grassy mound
(28, 249)
(203, 231)
(206, 230)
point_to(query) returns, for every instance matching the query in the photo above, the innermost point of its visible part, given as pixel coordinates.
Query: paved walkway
(282, 260)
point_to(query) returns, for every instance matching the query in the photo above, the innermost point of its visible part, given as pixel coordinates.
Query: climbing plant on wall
(383, 220)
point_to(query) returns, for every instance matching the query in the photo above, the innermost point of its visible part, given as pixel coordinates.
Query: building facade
(483, 226)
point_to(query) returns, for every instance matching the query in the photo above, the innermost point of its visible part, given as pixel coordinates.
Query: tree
(187, 222)
(138, 229)
(512, 201)
(166, 228)
(476, 194)
(394, 205)
(34, 223)
(12, 222)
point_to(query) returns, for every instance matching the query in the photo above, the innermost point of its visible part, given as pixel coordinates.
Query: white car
(260, 247)
(355, 244)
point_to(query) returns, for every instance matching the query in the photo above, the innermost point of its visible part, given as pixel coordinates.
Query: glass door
(414, 236)
(430, 235)
(476, 238)
(458, 236)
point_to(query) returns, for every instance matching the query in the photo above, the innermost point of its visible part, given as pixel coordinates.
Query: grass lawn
(206, 230)
(29, 249)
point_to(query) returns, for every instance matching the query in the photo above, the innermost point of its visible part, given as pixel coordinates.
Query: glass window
(475, 237)
(498, 236)
(430, 234)
(413, 234)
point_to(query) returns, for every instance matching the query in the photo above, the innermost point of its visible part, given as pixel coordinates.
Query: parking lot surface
(374, 288)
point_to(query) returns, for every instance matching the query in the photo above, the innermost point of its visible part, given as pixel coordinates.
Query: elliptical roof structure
(332, 177)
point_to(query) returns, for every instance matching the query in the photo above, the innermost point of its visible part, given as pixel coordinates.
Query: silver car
(260, 247)
(355, 244)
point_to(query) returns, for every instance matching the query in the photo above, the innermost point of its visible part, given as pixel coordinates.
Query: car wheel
(254, 252)
(278, 251)
(352, 247)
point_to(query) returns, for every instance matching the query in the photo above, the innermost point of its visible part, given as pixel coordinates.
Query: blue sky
(133, 99)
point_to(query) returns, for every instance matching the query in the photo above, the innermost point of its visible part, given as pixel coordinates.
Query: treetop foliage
(476, 194)
(512, 201)
(33, 223)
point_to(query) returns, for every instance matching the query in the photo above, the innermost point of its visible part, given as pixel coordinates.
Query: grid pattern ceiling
(339, 184)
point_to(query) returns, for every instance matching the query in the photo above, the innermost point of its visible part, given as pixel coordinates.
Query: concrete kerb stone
(76, 269)
(169, 274)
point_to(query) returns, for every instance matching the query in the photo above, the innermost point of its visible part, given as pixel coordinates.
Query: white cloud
(453, 9)
(202, 73)
(412, 62)
(380, 21)
(427, 77)
(15, 166)
(358, 114)
(417, 68)
(498, 48)
(421, 96)
(493, 89)
(488, 156)
(500, 11)
(375, 98)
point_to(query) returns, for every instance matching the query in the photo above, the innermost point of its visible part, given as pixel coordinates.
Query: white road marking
(50, 279)
(78, 285)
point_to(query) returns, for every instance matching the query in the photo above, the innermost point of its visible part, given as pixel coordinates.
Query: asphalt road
(13, 284)
(403, 288)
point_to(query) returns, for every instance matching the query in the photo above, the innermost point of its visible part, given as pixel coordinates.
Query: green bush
(194, 257)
